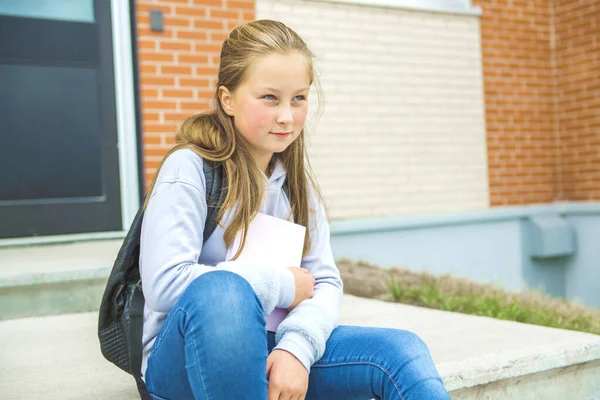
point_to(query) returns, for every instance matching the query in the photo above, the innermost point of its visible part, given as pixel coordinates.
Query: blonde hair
(212, 134)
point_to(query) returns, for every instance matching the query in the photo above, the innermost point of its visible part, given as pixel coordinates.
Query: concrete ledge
(472, 353)
(54, 279)
(50, 294)
(572, 382)
(478, 357)
(438, 220)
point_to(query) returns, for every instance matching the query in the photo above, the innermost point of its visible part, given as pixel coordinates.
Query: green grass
(532, 307)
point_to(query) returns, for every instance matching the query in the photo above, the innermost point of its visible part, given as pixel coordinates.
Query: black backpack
(121, 314)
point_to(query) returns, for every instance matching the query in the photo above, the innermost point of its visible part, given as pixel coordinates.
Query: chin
(280, 149)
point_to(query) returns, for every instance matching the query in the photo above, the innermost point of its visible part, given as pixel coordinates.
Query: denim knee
(413, 342)
(220, 288)
(409, 348)
(220, 294)
(415, 365)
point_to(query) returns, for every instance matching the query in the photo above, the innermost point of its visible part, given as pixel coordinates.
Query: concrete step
(58, 357)
(54, 279)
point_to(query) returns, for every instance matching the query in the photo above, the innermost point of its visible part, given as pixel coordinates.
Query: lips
(281, 134)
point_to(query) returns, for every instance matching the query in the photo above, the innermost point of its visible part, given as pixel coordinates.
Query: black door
(59, 170)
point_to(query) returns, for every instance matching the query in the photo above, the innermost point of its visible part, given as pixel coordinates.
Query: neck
(265, 163)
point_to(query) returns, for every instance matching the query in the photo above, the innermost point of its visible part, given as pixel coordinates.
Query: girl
(247, 331)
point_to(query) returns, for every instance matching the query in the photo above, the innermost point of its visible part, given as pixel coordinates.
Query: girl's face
(269, 108)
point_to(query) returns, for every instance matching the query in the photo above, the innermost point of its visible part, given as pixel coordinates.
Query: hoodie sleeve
(305, 331)
(172, 236)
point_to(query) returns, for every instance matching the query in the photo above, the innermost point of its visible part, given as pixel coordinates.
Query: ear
(226, 99)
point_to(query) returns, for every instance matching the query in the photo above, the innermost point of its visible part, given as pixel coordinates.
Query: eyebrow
(269, 89)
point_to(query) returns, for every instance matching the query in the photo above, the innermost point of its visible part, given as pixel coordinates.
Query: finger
(269, 366)
(300, 395)
(273, 393)
(289, 394)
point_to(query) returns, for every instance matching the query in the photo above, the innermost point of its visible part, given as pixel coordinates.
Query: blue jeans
(213, 345)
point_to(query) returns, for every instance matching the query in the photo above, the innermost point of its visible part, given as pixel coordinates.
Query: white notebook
(271, 241)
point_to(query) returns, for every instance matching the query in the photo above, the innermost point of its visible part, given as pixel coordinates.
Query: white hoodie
(172, 255)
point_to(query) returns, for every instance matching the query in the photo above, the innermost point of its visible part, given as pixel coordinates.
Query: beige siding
(404, 127)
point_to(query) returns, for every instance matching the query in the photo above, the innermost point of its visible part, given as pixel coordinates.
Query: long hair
(212, 134)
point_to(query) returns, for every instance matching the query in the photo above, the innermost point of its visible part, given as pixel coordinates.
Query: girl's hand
(305, 286)
(288, 379)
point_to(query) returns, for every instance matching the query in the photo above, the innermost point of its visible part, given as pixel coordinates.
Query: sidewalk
(58, 357)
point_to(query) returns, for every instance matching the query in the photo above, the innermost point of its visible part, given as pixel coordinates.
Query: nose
(285, 116)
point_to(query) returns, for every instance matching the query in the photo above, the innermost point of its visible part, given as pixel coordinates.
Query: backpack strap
(216, 191)
(135, 341)
(286, 190)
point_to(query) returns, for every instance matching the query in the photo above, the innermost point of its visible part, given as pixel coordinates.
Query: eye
(300, 98)
(269, 97)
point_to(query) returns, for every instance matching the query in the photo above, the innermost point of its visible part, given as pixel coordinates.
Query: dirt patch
(455, 294)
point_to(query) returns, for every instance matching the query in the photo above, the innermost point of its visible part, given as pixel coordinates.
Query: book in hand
(271, 241)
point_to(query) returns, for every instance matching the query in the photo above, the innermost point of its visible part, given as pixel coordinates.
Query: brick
(175, 117)
(151, 140)
(193, 34)
(205, 94)
(195, 59)
(190, 11)
(147, 93)
(218, 37)
(146, 44)
(224, 14)
(145, 32)
(158, 80)
(158, 105)
(148, 69)
(212, 3)
(177, 21)
(208, 48)
(208, 24)
(241, 5)
(195, 106)
(153, 128)
(155, 152)
(169, 140)
(194, 82)
(176, 69)
(156, 57)
(178, 93)
(210, 71)
(181, 46)
(150, 116)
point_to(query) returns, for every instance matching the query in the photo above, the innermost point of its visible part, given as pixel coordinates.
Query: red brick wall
(178, 66)
(520, 86)
(542, 99)
(577, 25)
